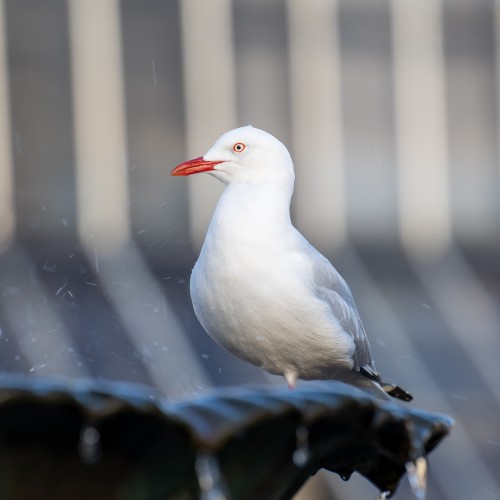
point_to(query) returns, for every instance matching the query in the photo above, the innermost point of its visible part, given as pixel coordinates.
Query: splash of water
(301, 454)
(89, 445)
(417, 477)
(209, 478)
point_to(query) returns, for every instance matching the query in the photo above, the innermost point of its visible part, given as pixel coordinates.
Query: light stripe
(496, 34)
(99, 123)
(103, 202)
(209, 85)
(469, 310)
(316, 109)
(422, 158)
(150, 322)
(7, 214)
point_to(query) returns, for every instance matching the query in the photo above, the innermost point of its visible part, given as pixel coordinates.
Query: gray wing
(332, 288)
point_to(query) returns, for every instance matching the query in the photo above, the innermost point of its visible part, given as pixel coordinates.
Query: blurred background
(390, 110)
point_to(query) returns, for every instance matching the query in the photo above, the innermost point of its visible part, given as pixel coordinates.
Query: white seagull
(259, 288)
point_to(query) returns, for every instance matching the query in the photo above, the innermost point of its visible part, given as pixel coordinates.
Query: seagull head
(243, 155)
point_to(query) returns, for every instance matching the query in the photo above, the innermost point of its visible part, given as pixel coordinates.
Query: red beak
(194, 166)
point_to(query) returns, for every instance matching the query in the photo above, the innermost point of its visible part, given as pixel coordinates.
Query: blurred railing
(390, 110)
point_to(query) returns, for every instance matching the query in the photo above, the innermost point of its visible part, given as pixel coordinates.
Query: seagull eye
(239, 147)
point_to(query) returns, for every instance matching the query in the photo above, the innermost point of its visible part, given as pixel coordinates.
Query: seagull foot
(291, 379)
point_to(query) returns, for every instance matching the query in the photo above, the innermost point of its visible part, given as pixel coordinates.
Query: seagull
(259, 288)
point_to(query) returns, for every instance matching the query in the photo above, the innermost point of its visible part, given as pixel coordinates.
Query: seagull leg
(291, 379)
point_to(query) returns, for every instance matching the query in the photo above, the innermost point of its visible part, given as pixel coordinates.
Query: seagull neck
(257, 201)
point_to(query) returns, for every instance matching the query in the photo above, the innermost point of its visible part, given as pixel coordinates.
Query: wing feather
(333, 289)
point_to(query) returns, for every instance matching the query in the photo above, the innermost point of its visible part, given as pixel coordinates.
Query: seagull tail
(389, 389)
(396, 392)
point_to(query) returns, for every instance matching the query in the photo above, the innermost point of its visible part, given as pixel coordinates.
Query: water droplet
(345, 475)
(301, 454)
(209, 478)
(62, 287)
(417, 477)
(153, 65)
(96, 261)
(88, 446)
(50, 268)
